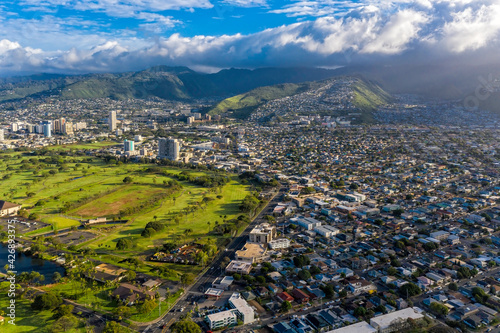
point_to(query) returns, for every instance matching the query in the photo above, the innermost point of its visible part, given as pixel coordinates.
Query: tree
(410, 289)
(480, 295)
(114, 327)
(301, 260)
(127, 180)
(63, 310)
(187, 279)
(56, 277)
(453, 286)
(439, 309)
(391, 271)
(286, 306)
(64, 324)
(304, 274)
(148, 232)
(46, 301)
(359, 311)
(147, 306)
(185, 326)
(124, 243)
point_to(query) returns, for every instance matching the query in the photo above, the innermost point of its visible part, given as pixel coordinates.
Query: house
(360, 286)
(8, 208)
(151, 284)
(284, 296)
(130, 294)
(300, 296)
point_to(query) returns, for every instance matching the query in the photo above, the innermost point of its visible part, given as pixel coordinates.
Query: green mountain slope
(242, 105)
(366, 97)
(174, 83)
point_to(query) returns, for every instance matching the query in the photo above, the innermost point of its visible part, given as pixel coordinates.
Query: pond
(25, 263)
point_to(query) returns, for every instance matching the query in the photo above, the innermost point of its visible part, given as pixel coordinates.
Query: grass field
(28, 320)
(61, 190)
(101, 300)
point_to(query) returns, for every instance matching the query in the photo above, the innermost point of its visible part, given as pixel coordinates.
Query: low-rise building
(252, 252)
(240, 267)
(395, 321)
(222, 319)
(280, 243)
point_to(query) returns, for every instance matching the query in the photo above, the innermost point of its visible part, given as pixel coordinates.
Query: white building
(388, 323)
(169, 149)
(326, 231)
(112, 120)
(244, 311)
(222, 319)
(361, 327)
(280, 243)
(439, 235)
(307, 223)
(2, 135)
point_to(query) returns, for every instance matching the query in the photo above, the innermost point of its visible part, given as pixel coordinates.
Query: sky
(68, 36)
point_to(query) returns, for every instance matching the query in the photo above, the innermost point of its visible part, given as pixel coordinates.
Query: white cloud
(397, 33)
(119, 8)
(246, 3)
(378, 29)
(472, 29)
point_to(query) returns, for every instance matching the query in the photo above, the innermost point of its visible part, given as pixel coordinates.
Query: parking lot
(23, 226)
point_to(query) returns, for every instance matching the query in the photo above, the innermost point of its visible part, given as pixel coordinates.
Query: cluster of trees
(480, 295)
(466, 273)
(124, 244)
(409, 289)
(430, 246)
(185, 326)
(301, 260)
(46, 301)
(439, 309)
(152, 228)
(250, 204)
(212, 180)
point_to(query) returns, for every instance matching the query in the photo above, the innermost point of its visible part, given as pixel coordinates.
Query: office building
(14, 127)
(67, 128)
(112, 120)
(59, 125)
(169, 149)
(222, 319)
(2, 135)
(244, 312)
(263, 233)
(128, 145)
(47, 130)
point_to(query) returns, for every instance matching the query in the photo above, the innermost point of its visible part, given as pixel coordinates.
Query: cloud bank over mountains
(322, 33)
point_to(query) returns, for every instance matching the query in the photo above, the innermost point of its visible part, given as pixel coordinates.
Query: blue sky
(115, 35)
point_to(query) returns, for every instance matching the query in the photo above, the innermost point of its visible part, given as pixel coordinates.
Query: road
(213, 271)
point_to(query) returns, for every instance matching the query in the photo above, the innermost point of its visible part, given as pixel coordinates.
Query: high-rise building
(128, 145)
(169, 149)
(2, 135)
(59, 125)
(14, 127)
(47, 130)
(67, 128)
(112, 120)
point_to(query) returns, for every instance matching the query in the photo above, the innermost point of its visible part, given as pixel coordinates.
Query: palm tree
(208, 229)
